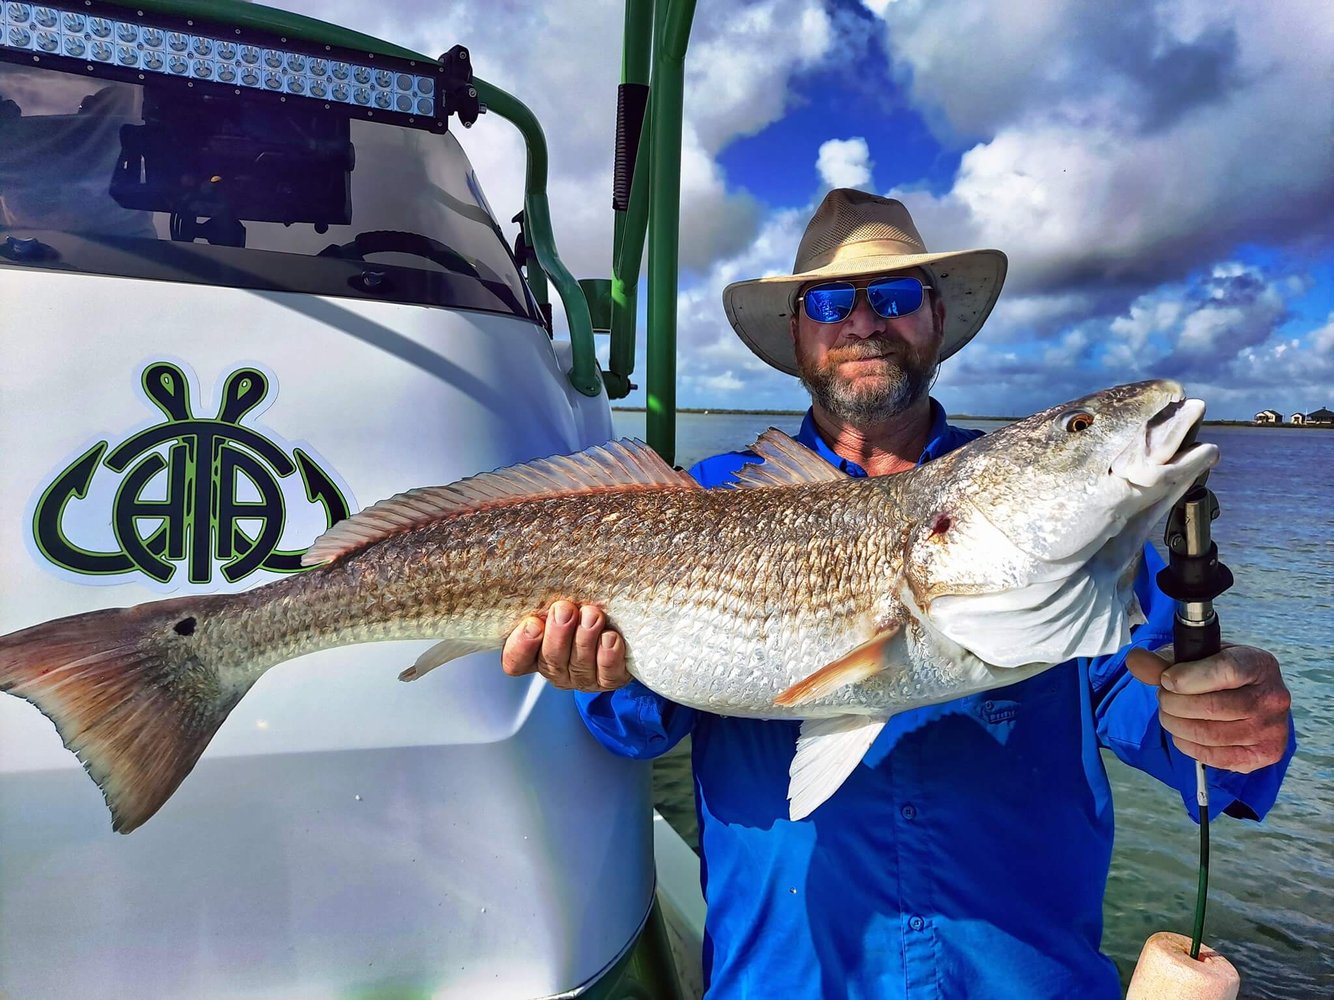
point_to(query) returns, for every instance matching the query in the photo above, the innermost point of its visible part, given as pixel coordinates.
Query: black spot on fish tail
(137, 714)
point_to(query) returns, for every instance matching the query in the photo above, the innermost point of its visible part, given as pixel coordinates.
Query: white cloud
(1132, 141)
(845, 163)
(1322, 340)
(724, 383)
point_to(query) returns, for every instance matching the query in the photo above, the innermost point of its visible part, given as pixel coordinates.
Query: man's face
(869, 368)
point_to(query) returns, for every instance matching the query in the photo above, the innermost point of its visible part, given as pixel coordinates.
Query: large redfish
(803, 593)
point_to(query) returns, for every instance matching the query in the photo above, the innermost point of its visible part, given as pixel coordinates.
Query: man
(967, 856)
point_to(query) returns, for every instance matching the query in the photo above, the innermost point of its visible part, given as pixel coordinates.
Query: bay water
(1271, 895)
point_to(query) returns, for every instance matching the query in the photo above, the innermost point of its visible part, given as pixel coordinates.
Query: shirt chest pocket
(1030, 711)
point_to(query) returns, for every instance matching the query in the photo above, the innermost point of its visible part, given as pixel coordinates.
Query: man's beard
(901, 384)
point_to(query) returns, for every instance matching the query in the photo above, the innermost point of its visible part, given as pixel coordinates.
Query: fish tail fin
(128, 695)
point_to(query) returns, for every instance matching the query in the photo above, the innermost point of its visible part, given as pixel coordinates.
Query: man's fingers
(1228, 710)
(1213, 673)
(1212, 732)
(584, 654)
(1241, 759)
(612, 673)
(1252, 701)
(1231, 667)
(553, 662)
(519, 655)
(571, 648)
(1146, 666)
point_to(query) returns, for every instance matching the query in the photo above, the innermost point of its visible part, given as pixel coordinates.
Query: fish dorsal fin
(618, 465)
(786, 463)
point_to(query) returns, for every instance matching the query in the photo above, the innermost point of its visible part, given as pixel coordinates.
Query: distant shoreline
(970, 416)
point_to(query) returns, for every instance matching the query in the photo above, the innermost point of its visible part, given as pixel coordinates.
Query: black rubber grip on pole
(631, 102)
(1192, 642)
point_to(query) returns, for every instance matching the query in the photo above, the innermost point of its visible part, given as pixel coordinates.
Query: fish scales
(760, 588)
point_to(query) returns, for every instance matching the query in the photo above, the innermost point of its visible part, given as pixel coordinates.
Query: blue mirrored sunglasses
(890, 297)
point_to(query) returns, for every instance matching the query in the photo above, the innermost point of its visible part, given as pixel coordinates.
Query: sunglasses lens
(831, 303)
(892, 297)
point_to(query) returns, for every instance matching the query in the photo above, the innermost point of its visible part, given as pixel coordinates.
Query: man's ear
(792, 329)
(938, 312)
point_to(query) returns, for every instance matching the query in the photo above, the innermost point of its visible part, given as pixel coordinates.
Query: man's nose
(863, 321)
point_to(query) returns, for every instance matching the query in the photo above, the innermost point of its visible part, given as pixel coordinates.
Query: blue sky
(1159, 172)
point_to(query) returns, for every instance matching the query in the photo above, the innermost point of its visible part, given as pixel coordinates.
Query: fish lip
(1168, 446)
(1172, 428)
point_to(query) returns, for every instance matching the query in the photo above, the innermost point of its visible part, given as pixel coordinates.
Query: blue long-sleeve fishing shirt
(966, 856)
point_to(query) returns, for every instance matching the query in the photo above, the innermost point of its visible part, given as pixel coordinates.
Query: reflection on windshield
(97, 159)
(55, 167)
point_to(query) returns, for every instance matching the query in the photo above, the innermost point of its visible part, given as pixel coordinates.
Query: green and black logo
(202, 493)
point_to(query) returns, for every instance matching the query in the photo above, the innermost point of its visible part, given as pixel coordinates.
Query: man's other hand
(572, 648)
(1228, 711)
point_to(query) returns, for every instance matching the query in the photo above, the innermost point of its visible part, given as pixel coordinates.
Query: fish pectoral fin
(827, 751)
(865, 661)
(443, 652)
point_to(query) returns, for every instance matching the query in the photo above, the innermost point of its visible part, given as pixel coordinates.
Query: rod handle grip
(1192, 641)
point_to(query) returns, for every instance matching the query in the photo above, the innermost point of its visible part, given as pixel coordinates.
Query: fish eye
(1078, 420)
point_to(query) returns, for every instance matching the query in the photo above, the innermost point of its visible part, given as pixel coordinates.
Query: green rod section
(584, 376)
(1202, 883)
(664, 225)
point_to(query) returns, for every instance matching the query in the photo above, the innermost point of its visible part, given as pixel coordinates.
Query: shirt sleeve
(633, 721)
(1126, 713)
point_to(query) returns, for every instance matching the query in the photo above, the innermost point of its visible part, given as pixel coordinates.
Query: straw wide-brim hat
(853, 235)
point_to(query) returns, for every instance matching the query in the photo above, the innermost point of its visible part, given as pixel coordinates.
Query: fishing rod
(1193, 578)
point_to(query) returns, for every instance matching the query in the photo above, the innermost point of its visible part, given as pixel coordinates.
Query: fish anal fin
(827, 751)
(613, 467)
(786, 463)
(442, 652)
(865, 661)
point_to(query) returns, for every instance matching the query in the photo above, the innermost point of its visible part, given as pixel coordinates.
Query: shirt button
(909, 811)
(916, 923)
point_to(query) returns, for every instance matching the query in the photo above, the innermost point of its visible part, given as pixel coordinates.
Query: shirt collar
(937, 441)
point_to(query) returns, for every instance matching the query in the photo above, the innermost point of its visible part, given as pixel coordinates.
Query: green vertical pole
(673, 22)
(628, 243)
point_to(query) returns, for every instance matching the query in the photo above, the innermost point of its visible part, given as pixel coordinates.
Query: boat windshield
(132, 180)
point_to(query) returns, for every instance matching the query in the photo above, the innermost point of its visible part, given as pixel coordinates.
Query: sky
(1160, 173)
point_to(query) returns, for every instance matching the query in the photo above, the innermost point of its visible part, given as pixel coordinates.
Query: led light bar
(129, 45)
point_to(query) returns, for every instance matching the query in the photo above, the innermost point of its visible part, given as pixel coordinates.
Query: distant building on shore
(1323, 417)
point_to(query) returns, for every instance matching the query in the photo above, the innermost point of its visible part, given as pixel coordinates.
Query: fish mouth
(1168, 451)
